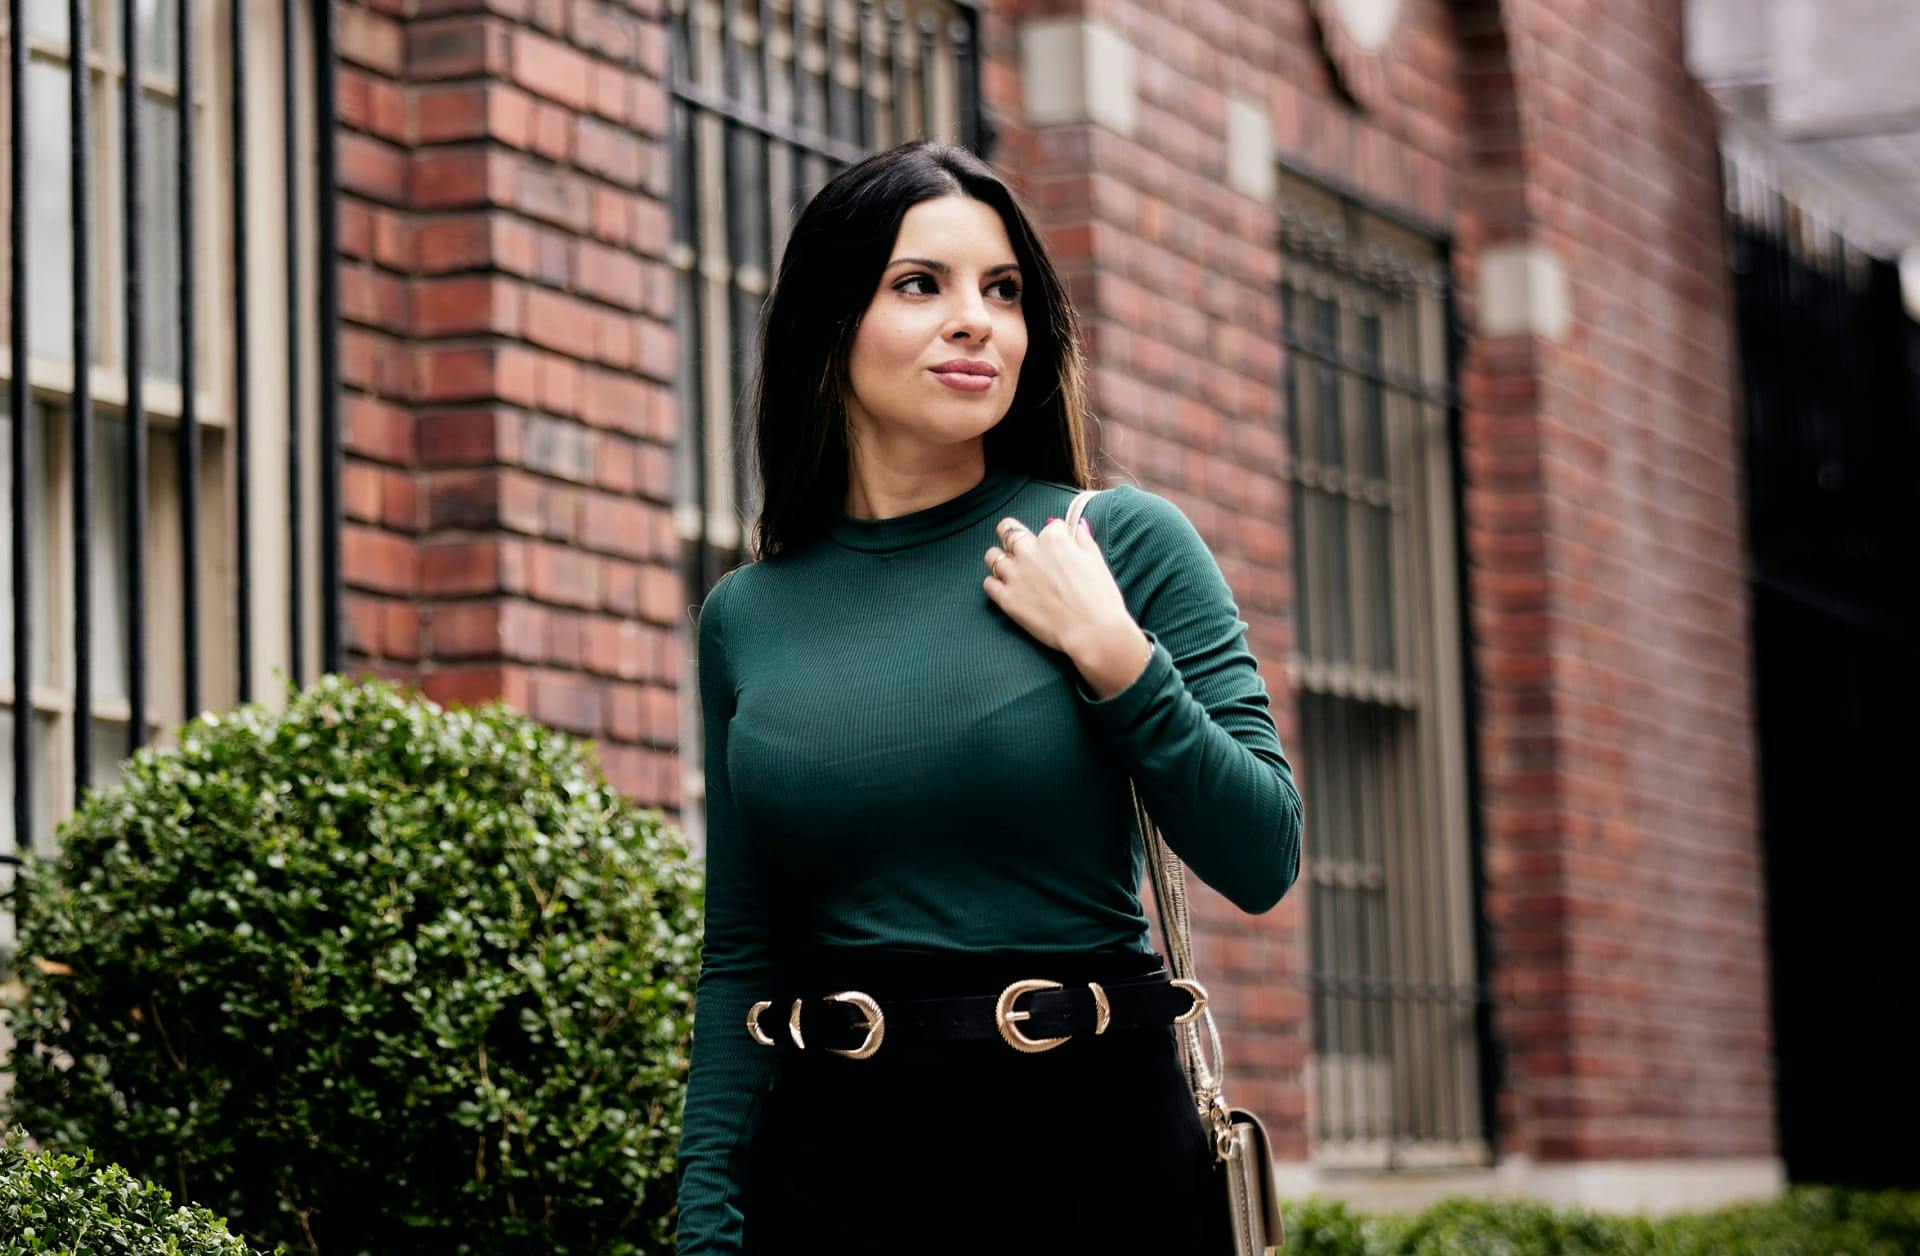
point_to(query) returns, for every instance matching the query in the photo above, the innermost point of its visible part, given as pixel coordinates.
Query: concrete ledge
(1655, 1187)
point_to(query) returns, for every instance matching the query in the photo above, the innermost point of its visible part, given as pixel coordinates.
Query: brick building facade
(509, 355)
(1527, 194)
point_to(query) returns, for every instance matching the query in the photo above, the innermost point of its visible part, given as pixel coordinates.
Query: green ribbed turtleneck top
(904, 765)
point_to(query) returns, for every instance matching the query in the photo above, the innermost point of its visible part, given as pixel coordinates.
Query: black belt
(1029, 1015)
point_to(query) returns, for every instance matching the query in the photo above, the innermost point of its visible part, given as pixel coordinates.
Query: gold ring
(994, 566)
(1006, 541)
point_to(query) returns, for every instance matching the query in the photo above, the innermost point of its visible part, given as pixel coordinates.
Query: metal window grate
(1394, 1074)
(770, 99)
(155, 533)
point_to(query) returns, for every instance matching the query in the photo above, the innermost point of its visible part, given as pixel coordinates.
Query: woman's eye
(1011, 285)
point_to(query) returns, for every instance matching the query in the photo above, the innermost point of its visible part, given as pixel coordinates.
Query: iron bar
(80, 415)
(20, 446)
(187, 439)
(133, 213)
(332, 458)
(296, 401)
(242, 358)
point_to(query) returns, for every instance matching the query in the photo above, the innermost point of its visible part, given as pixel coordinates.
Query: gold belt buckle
(1004, 1014)
(874, 1022)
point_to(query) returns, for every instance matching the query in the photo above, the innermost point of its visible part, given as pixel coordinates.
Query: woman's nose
(973, 316)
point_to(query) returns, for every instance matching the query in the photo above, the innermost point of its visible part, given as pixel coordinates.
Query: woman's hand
(1057, 586)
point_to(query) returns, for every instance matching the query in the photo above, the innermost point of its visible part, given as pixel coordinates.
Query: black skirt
(1090, 1146)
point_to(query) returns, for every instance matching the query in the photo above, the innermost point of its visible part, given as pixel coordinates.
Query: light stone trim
(1369, 23)
(1523, 291)
(1075, 69)
(1250, 149)
(1654, 1187)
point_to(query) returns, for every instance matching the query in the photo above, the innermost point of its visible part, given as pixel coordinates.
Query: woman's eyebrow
(941, 268)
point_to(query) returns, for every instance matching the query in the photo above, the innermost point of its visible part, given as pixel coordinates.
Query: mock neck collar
(917, 527)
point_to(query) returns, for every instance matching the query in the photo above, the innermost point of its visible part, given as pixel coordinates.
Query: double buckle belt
(1052, 1010)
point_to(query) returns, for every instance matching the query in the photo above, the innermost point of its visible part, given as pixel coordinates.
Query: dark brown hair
(832, 264)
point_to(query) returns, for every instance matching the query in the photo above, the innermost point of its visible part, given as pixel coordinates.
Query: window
(187, 663)
(1393, 1076)
(769, 102)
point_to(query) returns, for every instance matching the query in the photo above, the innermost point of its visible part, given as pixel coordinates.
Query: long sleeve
(1195, 728)
(730, 1073)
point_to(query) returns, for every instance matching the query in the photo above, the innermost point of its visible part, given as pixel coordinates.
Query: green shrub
(1804, 1221)
(59, 1205)
(367, 975)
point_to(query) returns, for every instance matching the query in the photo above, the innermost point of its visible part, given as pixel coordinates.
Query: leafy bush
(60, 1205)
(367, 975)
(1804, 1221)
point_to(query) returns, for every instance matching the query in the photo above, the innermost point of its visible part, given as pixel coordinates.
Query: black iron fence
(167, 219)
(1830, 368)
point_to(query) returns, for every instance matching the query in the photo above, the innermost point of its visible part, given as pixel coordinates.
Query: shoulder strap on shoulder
(1078, 504)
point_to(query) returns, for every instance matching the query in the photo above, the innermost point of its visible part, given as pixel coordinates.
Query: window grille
(1394, 1074)
(167, 198)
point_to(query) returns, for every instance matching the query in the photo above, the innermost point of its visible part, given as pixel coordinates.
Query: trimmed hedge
(368, 975)
(1804, 1221)
(53, 1204)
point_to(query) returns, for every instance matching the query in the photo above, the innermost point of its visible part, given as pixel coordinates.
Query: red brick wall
(1602, 513)
(508, 357)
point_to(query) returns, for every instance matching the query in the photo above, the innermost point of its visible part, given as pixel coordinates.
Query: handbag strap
(1170, 900)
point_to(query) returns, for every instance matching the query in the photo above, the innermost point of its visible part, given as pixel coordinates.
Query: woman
(917, 785)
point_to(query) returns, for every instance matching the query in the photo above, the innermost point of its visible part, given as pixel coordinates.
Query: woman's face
(951, 290)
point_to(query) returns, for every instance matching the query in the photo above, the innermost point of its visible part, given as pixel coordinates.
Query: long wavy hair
(797, 398)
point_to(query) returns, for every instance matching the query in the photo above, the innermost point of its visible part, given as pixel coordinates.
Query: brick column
(508, 356)
(1610, 602)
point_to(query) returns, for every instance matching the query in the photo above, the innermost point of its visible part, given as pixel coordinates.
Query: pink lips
(964, 382)
(966, 374)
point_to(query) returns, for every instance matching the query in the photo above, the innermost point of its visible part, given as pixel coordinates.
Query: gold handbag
(1237, 1138)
